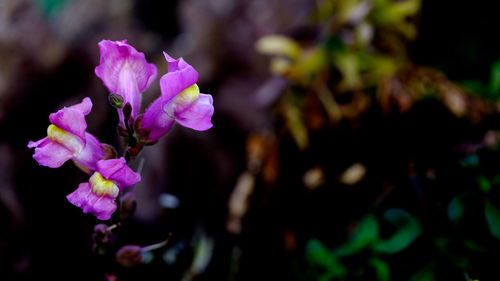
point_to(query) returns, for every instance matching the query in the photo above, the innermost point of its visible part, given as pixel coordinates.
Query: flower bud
(127, 112)
(103, 238)
(102, 234)
(116, 100)
(129, 255)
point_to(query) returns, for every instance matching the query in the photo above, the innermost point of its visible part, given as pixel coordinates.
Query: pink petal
(100, 206)
(49, 153)
(180, 76)
(198, 115)
(128, 90)
(114, 56)
(91, 153)
(117, 171)
(85, 106)
(71, 120)
(156, 121)
(41, 142)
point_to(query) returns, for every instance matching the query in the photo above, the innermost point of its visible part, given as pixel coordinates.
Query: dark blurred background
(352, 140)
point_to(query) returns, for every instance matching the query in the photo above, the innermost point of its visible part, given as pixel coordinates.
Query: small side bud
(103, 237)
(129, 255)
(102, 234)
(127, 112)
(116, 100)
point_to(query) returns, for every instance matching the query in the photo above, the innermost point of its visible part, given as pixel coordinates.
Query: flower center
(67, 139)
(103, 187)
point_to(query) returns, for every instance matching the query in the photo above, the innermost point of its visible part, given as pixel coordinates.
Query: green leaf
(484, 183)
(493, 219)
(381, 269)
(474, 86)
(319, 255)
(365, 234)
(425, 274)
(408, 230)
(396, 12)
(456, 209)
(473, 246)
(495, 78)
(296, 125)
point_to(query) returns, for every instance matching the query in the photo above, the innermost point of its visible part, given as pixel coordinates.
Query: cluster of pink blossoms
(126, 74)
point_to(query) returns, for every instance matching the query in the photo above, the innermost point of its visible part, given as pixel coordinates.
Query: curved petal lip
(117, 171)
(51, 154)
(100, 206)
(198, 116)
(180, 76)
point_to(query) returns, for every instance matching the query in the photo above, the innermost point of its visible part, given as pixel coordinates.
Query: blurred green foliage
(358, 63)
(365, 242)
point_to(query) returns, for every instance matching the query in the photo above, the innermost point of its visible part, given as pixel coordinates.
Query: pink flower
(180, 101)
(125, 72)
(98, 195)
(67, 139)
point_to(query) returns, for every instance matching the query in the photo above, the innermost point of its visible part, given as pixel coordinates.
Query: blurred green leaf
(484, 183)
(319, 255)
(311, 61)
(347, 63)
(425, 274)
(296, 125)
(408, 230)
(382, 269)
(474, 86)
(493, 219)
(365, 234)
(392, 12)
(496, 180)
(378, 65)
(456, 209)
(473, 246)
(495, 78)
(333, 44)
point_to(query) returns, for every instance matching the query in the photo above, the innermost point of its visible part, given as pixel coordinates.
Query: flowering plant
(126, 74)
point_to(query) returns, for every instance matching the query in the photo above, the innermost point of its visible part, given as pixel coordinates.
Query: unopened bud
(103, 238)
(102, 234)
(129, 255)
(127, 112)
(116, 100)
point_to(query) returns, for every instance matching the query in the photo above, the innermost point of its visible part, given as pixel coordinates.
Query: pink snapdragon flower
(67, 139)
(180, 101)
(125, 72)
(98, 195)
